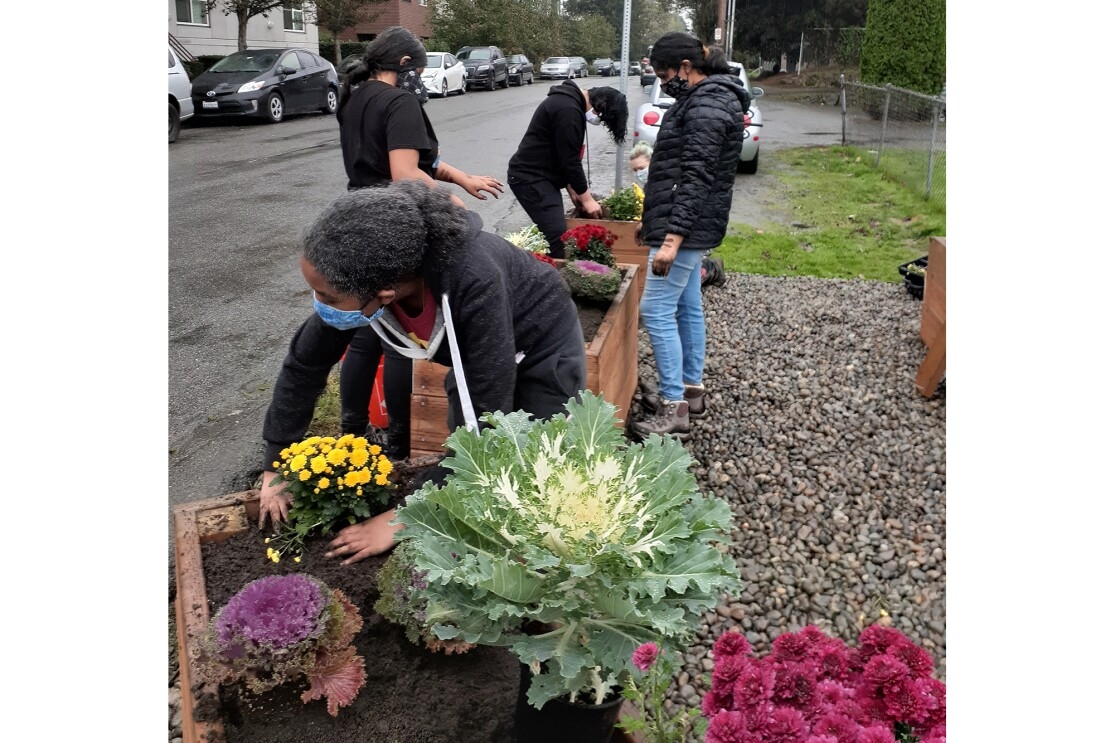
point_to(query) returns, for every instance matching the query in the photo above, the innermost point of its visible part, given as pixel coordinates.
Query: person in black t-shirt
(386, 136)
(549, 155)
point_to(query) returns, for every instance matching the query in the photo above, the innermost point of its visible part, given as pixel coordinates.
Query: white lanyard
(458, 368)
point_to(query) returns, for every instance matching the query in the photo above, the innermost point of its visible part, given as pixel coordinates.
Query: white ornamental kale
(563, 525)
(530, 239)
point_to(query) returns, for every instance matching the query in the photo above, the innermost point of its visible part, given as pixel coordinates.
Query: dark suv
(485, 67)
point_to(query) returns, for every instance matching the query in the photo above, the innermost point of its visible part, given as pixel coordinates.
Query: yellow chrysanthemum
(346, 440)
(323, 483)
(374, 449)
(267, 540)
(298, 462)
(316, 490)
(359, 457)
(298, 559)
(337, 456)
(352, 479)
(384, 466)
(381, 479)
(318, 465)
(360, 491)
(275, 465)
(304, 475)
(365, 476)
(360, 443)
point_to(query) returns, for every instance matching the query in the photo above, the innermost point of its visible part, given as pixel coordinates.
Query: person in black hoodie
(549, 155)
(685, 213)
(418, 269)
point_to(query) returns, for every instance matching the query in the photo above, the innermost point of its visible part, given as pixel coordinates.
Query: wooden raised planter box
(212, 520)
(627, 248)
(611, 359)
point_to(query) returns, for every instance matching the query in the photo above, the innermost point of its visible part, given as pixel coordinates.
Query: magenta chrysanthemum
(910, 702)
(874, 640)
(729, 645)
(754, 685)
(875, 734)
(644, 656)
(272, 613)
(795, 684)
(790, 647)
(913, 657)
(843, 728)
(725, 672)
(727, 727)
(786, 725)
(821, 739)
(884, 671)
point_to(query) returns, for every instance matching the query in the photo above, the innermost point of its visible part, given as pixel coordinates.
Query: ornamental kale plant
(530, 239)
(563, 526)
(589, 242)
(591, 280)
(335, 482)
(814, 689)
(282, 628)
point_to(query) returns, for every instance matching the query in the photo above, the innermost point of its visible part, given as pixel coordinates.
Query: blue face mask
(641, 175)
(342, 319)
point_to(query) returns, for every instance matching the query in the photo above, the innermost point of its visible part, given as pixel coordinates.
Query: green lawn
(859, 222)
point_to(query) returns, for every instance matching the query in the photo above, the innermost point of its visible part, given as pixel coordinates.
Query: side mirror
(756, 92)
(287, 70)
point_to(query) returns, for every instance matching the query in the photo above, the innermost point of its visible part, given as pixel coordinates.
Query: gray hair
(372, 239)
(640, 148)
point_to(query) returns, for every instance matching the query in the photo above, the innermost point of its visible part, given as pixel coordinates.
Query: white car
(179, 100)
(649, 118)
(444, 74)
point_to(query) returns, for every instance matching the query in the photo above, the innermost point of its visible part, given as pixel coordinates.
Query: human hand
(665, 257)
(372, 537)
(590, 207)
(474, 184)
(274, 500)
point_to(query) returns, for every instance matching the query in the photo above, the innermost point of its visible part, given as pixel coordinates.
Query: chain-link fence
(902, 129)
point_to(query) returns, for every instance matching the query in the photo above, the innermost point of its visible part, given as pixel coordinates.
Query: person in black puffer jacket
(685, 213)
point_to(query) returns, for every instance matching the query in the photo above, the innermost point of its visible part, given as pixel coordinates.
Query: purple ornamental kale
(271, 614)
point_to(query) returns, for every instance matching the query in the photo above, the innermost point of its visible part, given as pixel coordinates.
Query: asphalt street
(239, 195)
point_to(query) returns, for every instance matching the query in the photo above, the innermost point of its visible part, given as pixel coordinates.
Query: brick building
(413, 15)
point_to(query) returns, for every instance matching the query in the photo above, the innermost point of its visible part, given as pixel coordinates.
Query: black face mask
(410, 80)
(674, 87)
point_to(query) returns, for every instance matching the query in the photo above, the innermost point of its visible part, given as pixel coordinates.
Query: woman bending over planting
(418, 270)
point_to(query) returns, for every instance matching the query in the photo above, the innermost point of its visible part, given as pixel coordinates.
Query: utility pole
(730, 26)
(721, 14)
(625, 53)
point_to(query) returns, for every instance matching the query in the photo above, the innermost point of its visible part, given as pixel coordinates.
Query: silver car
(649, 117)
(556, 68)
(179, 100)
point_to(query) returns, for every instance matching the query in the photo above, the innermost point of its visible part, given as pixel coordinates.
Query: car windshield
(433, 61)
(479, 54)
(517, 58)
(602, 61)
(246, 62)
(557, 60)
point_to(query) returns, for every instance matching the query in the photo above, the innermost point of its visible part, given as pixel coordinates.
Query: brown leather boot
(694, 395)
(672, 419)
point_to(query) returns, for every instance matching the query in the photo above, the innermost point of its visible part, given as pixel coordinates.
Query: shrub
(904, 44)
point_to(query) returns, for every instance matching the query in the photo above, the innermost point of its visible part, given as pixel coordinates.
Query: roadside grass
(909, 167)
(854, 221)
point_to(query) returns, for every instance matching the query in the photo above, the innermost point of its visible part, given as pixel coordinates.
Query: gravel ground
(832, 462)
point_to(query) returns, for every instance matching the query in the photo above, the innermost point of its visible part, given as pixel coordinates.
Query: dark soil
(591, 314)
(411, 696)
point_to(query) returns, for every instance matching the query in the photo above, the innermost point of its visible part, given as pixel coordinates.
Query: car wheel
(273, 106)
(175, 122)
(444, 88)
(530, 81)
(464, 87)
(506, 82)
(491, 83)
(749, 167)
(330, 106)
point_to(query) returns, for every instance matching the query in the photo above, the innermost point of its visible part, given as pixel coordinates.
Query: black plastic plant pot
(560, 721)
(914, 280)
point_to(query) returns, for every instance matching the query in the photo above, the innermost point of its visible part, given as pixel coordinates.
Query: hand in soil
(274, 501)
(372, 537)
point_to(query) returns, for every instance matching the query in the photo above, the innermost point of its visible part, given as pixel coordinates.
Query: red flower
(728, 727)
(730, 644)
(841, 727)
(645, 655)
(786, 725)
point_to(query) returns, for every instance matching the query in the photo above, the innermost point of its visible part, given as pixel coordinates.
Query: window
(293, 19)
(290, 59)
(192, 11)
(309, 61)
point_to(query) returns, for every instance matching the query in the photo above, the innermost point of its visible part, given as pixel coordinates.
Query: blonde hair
(640, 148)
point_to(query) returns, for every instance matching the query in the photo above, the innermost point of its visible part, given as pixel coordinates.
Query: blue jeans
(675, 321)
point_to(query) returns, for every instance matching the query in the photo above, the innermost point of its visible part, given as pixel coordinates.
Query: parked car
(556, 68)
(269, 83)
(519, 68)
(178, 98)
(485, 66)
(444, 74)
(580, 66)
(635, 68)
(649, 117)
(647, 76)
(604, 67)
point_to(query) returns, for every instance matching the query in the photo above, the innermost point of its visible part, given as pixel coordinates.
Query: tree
(244, 10)
(589, 37)
(337, 15)
(904, 44)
